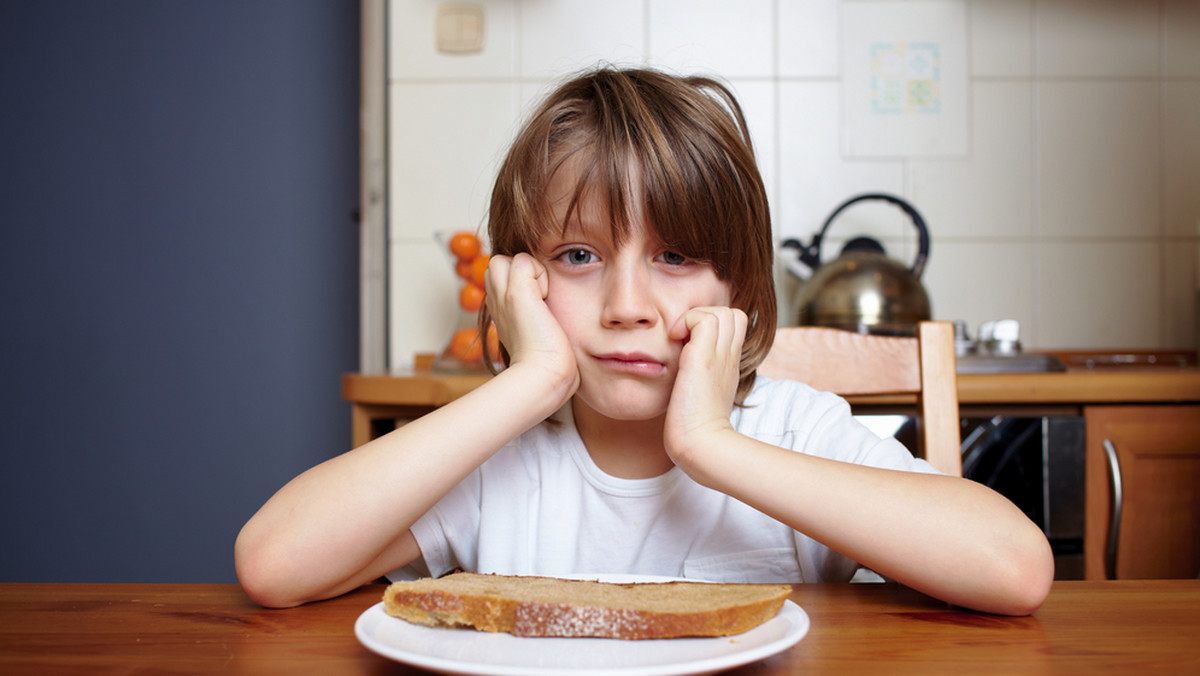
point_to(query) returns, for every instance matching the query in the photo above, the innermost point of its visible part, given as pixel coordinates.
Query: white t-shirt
(540, 506)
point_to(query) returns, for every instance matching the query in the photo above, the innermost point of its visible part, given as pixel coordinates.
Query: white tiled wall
(1076, 210)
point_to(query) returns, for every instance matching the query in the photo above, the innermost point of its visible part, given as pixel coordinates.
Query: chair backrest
(848, 364)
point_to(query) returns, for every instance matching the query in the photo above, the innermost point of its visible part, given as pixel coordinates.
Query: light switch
(459, 27)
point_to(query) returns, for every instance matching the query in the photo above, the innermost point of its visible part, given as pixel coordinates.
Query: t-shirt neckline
(575, 448)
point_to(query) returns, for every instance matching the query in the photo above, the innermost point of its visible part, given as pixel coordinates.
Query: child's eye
(577, 256)
(672, 258)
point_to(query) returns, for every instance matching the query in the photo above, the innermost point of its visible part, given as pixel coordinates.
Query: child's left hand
(707, 380)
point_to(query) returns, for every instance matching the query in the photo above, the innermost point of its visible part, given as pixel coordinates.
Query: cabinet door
(1154, 452)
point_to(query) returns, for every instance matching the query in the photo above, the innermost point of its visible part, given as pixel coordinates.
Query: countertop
(1105, 385)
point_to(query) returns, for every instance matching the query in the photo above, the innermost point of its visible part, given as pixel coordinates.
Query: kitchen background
(179, 253)
(1074, 206)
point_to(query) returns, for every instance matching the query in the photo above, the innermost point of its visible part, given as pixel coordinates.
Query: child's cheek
(563, 308)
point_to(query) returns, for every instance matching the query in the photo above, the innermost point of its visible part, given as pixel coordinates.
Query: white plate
(459, 651)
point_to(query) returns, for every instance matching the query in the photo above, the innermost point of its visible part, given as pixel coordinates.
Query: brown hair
(701, 189)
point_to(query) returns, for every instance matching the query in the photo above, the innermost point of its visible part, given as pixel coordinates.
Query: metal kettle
(863, 289)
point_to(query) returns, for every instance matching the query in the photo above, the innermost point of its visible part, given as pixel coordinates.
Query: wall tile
(531, 93)
(814, 178)
(1181, 301)
(1181, 38)
(1001, 38)
(977, 281)
(1098, 294)
(733, 40)
(414, 52)
(564, 36)
(423, 300)
(446, 143)
(758, 101)
(1097, 38)
(1181, 158)
(1084, 150)
(807, 38)
(1098, 159)
(989, 194)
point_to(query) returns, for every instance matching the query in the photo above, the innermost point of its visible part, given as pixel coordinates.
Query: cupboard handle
(1118, 501)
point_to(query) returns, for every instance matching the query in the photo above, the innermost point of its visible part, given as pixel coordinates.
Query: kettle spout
(804, 263)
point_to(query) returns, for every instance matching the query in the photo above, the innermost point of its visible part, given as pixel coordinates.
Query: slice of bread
(546, 606)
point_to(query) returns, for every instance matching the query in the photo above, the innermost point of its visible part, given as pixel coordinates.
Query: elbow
(263, 582)
(263, 592)
(1027, 581)
(1036, 587)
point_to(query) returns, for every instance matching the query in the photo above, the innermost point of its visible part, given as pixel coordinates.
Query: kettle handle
(918, 266)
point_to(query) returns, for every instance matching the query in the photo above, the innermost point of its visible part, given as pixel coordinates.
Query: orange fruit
(478, 268)
(465, 346)
(463, 268)
(470, 297)
(464, 245)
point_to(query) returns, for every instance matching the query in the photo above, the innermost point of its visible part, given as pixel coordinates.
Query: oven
(1037, 462)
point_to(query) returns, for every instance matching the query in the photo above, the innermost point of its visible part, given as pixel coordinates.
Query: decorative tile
(904, 79)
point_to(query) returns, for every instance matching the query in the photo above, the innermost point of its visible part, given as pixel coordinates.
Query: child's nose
(627, 299)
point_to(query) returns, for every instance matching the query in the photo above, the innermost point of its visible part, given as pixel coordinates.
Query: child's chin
(631, 406)
(636, 415)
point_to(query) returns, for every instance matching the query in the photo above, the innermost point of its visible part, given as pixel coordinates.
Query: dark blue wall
(178, 274)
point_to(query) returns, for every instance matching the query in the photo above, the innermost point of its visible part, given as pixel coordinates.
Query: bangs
(680, 157)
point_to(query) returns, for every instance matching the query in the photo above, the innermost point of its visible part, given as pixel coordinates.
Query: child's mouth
(632, 363)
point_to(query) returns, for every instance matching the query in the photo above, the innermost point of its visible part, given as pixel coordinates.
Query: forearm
(337, 525)
(948, 537)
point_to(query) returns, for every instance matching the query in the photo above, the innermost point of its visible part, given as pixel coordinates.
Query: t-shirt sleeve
(448, 534)
(794, 416)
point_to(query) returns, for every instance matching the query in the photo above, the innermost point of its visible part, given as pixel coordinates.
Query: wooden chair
(849, 364)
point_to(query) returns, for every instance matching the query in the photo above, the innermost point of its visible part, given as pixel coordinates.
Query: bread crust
(554, 607)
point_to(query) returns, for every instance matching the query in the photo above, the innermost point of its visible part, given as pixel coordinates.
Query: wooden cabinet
(1143, 492)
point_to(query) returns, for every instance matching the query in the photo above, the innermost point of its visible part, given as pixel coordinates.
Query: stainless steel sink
(1014, 363)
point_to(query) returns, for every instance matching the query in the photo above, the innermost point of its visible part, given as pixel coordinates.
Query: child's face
(618, 303)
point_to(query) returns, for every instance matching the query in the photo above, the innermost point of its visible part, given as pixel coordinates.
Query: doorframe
(373, 201)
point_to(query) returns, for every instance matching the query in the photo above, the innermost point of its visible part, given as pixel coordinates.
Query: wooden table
(1084, 628)
(377, 400)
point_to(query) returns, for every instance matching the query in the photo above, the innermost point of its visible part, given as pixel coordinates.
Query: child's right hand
(517, 287)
